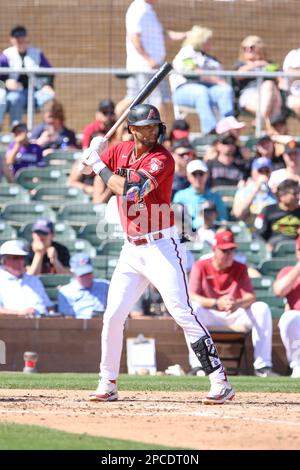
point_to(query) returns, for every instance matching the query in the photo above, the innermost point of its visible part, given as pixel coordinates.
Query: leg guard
(207, 354)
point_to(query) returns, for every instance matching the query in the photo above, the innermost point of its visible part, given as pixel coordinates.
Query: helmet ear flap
(162, 133)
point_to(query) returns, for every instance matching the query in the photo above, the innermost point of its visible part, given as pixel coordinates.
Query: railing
(121, 72)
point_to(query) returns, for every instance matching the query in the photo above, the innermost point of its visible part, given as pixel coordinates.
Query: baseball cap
(81, 264)
(224, 240)
(18, 125)
(18, 31)
(226, 139)
(261, 162)
(182, 143)
(229, 123)
(13, 247)
(180, 129)
(292, 146)
(196, 165)
(43, 226)
(106, 106)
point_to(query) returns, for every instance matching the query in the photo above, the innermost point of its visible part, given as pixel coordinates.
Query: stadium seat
(19, 213)
(198, 249)
(80, 246)
(255, 251)
(12, 193)
(79, 214)
(32, 177)
(276, 304)
(63, 232)
(62, 157)
(262, 284)
(51, 282)
(271, 267)
(56, 195)
(285, 248)
(104, 266)
(7, 232)
(227, 193)
(240, 230)
(110, 247)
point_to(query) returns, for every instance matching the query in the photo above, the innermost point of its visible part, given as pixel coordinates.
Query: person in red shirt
(105, 119)
(287, 284)
(140, 173)
(223, 296)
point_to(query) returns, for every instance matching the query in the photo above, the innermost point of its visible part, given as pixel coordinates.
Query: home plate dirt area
(176, 419)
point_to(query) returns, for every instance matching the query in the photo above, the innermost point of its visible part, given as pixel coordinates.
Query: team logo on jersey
(152, 114)
(156, 165)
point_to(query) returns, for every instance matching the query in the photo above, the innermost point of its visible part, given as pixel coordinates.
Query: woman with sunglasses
(252, 57)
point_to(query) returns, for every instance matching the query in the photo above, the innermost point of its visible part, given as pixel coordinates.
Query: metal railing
(123, 73)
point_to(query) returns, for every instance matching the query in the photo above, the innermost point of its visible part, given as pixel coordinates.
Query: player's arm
(284, 283)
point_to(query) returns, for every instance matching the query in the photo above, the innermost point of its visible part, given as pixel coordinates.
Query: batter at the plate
(140, 173)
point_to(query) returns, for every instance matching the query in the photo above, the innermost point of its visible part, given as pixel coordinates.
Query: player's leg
(289, 326)
(170, 280)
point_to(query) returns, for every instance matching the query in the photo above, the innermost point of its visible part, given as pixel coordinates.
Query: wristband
(98, 166)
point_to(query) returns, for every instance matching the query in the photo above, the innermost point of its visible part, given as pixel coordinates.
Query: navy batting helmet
(143, 115)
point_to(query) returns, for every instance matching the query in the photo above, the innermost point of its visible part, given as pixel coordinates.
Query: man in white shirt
(291, 64)
(20, 293)
(145, 48)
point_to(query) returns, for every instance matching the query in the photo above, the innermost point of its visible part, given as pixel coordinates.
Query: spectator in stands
(280, 221)
(207, 230)
(46, 255)
(226, 169)
(149, 304)
(20, 293)
(84, 296)
(104, 120)
(223, 297)
(287, 284)
(267, 147)
(21, 55)
(250, 199)
(5, 170)
(279, 125)
(252, 58)
(183, 153)
(21, 153)
(146, 51)
(291, 86)
(52, 134)
(180, 130)
(201, 92)
(196, 194)
(291, 158)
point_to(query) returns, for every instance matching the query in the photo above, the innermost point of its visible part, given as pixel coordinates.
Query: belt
(148, 239)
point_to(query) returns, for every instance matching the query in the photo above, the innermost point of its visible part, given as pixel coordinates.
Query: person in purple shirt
(21, 153)
(22, 55)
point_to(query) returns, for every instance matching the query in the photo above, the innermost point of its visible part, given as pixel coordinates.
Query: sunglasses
(228, 251)
(249, 48)
(183, 154)
(108, 113)
(198, 173)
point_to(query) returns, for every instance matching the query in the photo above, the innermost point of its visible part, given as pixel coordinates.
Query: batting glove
(90, 160)
(99, 144)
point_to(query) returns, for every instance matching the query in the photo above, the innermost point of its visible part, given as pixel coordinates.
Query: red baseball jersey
(293, 297)
(209, 282)
(153, 212)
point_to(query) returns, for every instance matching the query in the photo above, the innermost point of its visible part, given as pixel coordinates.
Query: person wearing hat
(22, 153)
(105, 118)
(21, 55)
(183, 152)
(20, 293)
(249, 200)
(291, 158)
(52, 134)
(84, 296)
(266, 146)
(204, 93)
(223, 296)
(287, 285)
(45, 254)
(196, 194)
(280, 221)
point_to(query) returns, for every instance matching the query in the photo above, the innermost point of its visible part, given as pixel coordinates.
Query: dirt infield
(177, 419)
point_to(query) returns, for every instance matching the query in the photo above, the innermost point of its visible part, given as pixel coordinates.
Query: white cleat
(220, 391)
(106, 391)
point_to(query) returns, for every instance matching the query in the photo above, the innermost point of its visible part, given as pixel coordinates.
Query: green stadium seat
(276, 304)
(110, 247)
(227, 193)
(272, 267)
(104, 266)
(55, 195)
(255, 251)
(80, 246)
(19, 213)
(32, 177)
(262, 284)
(240, 230)
(79, 214)
(13, 193)
(284, 248)
(62, 157)
(198, 249)
(7, 232)
(63, 232)
(52, 282)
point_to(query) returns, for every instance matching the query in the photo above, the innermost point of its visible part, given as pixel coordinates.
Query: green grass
(73, 381)
(23, 437)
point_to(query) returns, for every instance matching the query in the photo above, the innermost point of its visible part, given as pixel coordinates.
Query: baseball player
(140, 173)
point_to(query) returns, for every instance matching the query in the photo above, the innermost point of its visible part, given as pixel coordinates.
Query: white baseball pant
(289, 326)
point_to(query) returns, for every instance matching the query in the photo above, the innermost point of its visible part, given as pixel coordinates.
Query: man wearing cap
(250, 199)
(84, 296)
(20, 293)
(21, 55)
(183, 153)
(223, 296)
(280, 221)
(195, 195)
(22, 153)
(287, 284)
(104, 119)
(291, 158)
(46, 255)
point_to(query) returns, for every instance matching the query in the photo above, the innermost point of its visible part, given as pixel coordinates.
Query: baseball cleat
(106, 391)
(219, 392)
